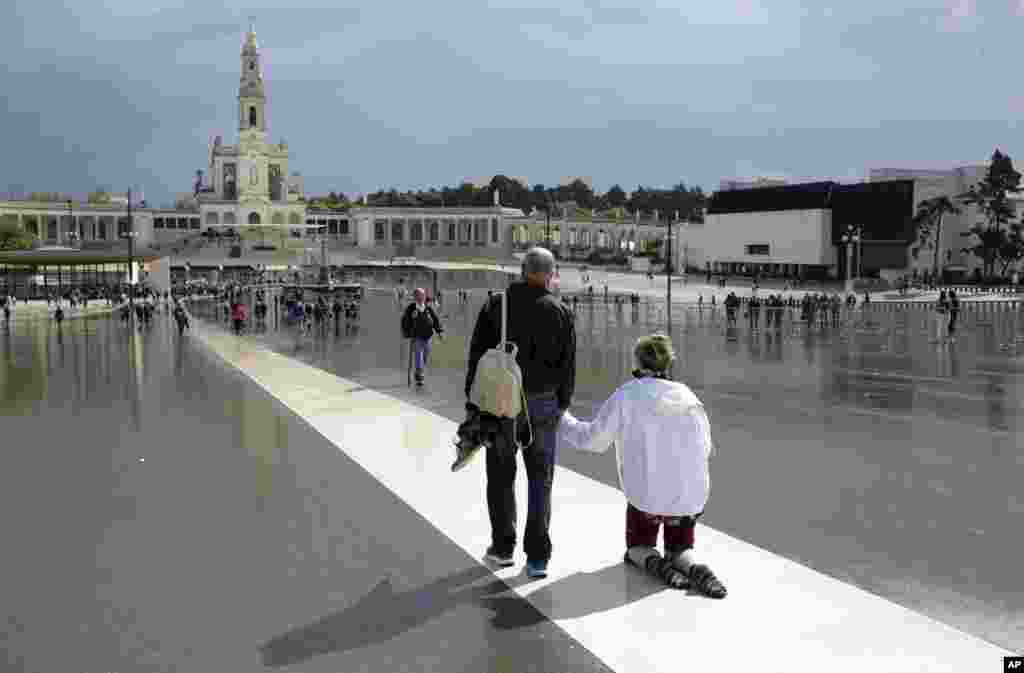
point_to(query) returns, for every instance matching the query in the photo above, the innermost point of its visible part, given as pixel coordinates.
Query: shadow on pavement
(578, 595)
(383, 614)
(380, 616)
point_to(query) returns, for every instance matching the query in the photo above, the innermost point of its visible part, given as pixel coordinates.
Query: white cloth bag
(498, 385)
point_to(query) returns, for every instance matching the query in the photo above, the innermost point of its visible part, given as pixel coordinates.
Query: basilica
(249, 183)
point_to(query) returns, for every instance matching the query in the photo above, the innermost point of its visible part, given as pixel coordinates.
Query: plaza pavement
(779, 615)
(688, 290)
(39, 309)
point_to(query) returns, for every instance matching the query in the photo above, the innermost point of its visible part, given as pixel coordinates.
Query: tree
(990, 196)
(539, 197)
(464, 195)
(512, 192)
(13, 237)
(579, 192)
(616, 197)
(928, 224)
(640, 200)
(100, 196)
(48, 197)
(1011, 250)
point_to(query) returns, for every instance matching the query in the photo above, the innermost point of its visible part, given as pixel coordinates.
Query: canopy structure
(61, 256)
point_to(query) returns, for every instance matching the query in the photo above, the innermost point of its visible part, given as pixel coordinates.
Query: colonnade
(450, 230)
(582, 237)
(54, 227)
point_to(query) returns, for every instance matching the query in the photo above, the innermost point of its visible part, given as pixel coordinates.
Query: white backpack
(498, 385)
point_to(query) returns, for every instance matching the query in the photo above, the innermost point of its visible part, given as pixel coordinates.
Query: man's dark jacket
(420, 324)
(542, 328)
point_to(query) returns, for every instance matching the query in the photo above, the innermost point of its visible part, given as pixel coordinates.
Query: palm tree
(930, 214)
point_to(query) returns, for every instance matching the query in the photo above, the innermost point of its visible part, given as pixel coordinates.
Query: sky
(410, 95)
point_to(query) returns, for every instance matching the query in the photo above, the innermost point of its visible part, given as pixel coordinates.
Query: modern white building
(952, 183)
(797, 230)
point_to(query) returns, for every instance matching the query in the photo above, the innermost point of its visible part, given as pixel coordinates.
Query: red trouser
(642, 530)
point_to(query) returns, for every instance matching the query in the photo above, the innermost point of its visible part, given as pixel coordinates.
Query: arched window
(252, 116)
(254, 218)
(277, 218)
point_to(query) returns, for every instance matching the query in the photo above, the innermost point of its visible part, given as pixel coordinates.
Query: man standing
(542, 329)
(419, 323)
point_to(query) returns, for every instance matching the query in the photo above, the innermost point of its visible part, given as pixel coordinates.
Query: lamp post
(71, 219)
(860, 251)
(668, 277)
(686, 251)
(130, 235)
(850, 238)
(547, 230)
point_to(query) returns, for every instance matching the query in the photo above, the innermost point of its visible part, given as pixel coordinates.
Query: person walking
(336, 310)
(732, 302)
(181, 317)
(653, 420)
(419, 324)
(542, 328)
(239, 314)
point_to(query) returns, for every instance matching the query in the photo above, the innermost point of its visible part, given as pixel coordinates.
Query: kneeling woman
(663, 440)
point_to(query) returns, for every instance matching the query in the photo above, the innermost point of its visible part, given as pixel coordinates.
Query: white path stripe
(779, 615)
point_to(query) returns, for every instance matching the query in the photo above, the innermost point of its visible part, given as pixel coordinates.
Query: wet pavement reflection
(162, 513)
(868, 451)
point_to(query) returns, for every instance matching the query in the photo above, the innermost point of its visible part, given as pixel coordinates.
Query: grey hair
(538, 260)
(654, 352)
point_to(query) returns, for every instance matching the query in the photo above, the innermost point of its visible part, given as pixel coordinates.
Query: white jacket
(663, 441)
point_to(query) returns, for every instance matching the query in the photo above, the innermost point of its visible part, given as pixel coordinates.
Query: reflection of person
(542, 328)
(239, 314)
(940, 317)
(654, 421)
(954, 310)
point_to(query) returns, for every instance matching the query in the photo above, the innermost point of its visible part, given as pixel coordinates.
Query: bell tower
(252, 101)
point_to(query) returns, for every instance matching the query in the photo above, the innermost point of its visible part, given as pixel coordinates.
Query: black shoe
(502, 560)
(705, 581)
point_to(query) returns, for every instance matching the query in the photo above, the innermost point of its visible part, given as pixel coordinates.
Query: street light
(71, 219)
(547, 234)
(130, 235)
(850, 238)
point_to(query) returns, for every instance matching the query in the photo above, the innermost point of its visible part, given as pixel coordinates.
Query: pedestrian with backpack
(419, 324)
(539, 328)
